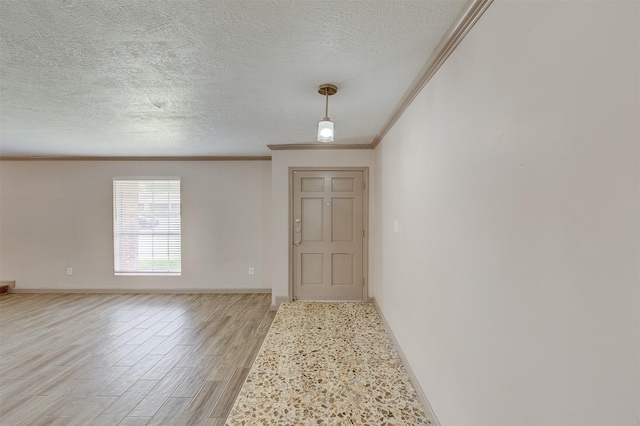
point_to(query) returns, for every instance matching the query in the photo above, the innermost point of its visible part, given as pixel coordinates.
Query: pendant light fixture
(325, 127)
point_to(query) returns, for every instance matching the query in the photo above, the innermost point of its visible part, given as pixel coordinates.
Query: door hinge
(363, 233)
(363, 185)
(362, 281)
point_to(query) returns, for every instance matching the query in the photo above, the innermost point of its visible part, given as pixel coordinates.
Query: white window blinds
(146, 226)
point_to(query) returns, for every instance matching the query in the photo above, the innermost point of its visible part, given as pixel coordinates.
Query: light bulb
(325, 130)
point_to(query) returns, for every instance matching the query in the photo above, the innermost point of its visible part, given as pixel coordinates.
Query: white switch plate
(396, 226)
(69, 271)
(251, 271)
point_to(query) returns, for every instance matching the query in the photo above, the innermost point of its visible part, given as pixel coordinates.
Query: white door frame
(365, 223)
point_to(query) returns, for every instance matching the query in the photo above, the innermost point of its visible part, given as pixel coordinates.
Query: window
(146, 226)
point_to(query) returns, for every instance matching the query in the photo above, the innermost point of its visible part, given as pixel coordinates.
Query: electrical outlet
(251, 271)
(69, 271)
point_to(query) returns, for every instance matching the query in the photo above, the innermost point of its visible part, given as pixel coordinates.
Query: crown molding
(80, 158)
(458, 30)
(318, 146)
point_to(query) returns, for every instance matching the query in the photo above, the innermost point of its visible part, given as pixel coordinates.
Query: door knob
(297, 220)
(297, 242)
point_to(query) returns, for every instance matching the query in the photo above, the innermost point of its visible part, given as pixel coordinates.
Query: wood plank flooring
(126, 359)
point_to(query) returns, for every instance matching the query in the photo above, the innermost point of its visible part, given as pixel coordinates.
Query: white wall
(280, 162)
(512, 286)
(58, 214)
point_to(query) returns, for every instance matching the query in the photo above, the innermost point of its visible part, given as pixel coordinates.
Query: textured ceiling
(204, 78)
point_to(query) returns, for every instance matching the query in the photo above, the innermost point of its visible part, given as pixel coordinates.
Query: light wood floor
(125, 359)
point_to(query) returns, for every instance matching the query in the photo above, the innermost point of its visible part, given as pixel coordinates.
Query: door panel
(328, 233)
(343, 184)
(342, 269)
(311, 268)
(342, 219)
(312, 185)
(311, 216)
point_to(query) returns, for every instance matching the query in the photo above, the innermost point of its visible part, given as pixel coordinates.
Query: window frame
(134, 227)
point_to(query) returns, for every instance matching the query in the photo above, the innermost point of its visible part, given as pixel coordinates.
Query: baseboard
(414, 380)
(140, 290)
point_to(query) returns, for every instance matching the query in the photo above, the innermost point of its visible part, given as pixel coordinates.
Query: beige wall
(58, 214)
(281, 161)
(512, 285)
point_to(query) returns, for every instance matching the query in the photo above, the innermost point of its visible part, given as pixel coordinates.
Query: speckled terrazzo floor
(327, 364)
